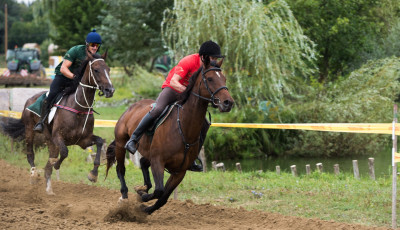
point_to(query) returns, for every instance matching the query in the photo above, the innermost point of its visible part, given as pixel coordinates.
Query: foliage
(16, 12)
(73, 20)
(265, 47)
(132, 29)
(366, 96)
(26, 32)
(342, 30)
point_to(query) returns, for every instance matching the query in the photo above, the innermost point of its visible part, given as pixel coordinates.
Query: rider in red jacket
(176, 82)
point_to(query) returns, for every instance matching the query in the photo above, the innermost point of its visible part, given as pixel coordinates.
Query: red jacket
(185, 68)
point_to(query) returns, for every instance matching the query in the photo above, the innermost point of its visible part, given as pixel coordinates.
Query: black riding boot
(43, 114)
(144, 124)
(199, 167)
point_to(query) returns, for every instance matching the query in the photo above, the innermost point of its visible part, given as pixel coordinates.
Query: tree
(265, 47)
(133, 30)
(15, 13)
(73, 20)
(341, 29)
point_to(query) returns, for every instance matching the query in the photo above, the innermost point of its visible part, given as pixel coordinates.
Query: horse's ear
(104, 56)
(220, 62)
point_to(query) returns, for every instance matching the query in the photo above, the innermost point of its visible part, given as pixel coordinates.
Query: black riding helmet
(210, 48)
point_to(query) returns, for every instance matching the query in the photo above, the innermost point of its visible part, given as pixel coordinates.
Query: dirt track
(78, 206)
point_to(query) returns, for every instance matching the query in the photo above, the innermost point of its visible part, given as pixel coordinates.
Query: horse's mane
(185, 94)
(79, 72)
(182, 98)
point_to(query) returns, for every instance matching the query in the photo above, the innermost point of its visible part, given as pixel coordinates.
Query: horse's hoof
(122, 201)
(34, 176)
(141, 188)
(50, 192)
(92, 177)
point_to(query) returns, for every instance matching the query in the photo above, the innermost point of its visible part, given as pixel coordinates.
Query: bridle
(215, 100)
(91, 76)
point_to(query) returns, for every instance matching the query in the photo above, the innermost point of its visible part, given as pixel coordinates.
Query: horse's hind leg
(120, 157)
(30, 154)
(99, 145)
(173, 181)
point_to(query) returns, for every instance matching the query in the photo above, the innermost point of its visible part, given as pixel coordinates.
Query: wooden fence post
(308, 169)
(371, 168)
(336, 169)
(294, 170)
(320, 167)
(278, 170)
(203, 159)
(214, 165)
(239, 168)
(355, 169)
(221, 166)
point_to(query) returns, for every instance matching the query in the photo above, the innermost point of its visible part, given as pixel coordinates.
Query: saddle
(160, 119)
(35, 107)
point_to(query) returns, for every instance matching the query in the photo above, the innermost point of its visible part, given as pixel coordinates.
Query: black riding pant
(58, 84)
(166, 97)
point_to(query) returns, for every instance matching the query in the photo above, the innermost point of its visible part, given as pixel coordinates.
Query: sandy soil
(79, 206)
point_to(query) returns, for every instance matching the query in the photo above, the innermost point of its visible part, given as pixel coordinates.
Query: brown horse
(70, 126)
(174, 145)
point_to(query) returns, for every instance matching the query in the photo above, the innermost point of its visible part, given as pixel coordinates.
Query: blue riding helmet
(93, 37)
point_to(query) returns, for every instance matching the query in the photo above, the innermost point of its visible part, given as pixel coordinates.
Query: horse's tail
(110, 155)
(15, 128)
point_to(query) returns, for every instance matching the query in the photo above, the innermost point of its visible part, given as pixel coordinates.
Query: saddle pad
(161, 118)
(35, 107)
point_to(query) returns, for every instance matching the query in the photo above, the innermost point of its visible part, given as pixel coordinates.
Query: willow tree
(266, 50)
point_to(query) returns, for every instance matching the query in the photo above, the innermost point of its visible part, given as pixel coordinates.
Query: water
(382, 163)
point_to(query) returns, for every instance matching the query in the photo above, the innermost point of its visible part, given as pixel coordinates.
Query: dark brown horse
(67, 127)
(174, 145)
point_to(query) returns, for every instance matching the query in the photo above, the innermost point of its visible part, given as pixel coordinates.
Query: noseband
(215, 100)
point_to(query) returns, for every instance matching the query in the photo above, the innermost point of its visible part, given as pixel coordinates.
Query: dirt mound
(79, 206)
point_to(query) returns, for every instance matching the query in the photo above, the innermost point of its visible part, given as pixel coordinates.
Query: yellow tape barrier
(377, 128)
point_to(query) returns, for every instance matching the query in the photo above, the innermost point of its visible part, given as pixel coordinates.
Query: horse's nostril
(227, 103)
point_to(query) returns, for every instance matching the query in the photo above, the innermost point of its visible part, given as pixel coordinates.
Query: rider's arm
(176, 84)
(64, 69)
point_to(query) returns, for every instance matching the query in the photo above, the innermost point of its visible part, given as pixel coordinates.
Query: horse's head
(99, 74)
(214, 87)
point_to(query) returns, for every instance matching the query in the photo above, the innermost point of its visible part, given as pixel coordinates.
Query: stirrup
(195, 167)
(38, 127)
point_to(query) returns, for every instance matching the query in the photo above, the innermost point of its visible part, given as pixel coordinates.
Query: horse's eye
(95, 70)
(209, 79)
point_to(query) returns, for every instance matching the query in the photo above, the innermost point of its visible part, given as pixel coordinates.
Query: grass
(325, 196)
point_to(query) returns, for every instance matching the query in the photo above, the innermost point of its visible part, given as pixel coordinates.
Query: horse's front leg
(63, 151)
(53, 156)
(144, 165)
(158, 175)
(173, 181)
(99, 145)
